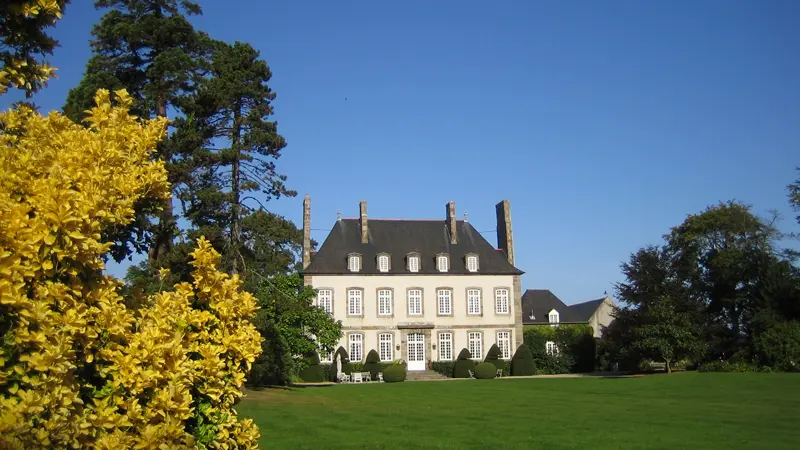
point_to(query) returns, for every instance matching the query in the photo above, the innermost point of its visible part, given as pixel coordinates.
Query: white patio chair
(357, 377)
(471, 374)
(380, 377)
(499, 373)
(367, 376)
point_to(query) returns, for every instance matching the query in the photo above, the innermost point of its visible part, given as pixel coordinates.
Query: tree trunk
(236, 230)
(162, 238)
(667, 366)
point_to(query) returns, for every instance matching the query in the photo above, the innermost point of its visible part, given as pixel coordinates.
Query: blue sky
(604, 123)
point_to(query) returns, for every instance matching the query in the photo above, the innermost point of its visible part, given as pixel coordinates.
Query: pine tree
(149, 48)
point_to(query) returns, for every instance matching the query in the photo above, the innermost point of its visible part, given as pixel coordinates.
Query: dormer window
(413, 262)
(354, 263)
(383, 263)
(472, 263)
(553, 317)
(442, 263)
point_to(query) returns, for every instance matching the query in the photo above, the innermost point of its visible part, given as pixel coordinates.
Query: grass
(683, 410)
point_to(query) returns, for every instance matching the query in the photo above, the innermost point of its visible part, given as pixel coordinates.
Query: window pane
(383, 263)
(445, 346)
(325, 300)
(413, 264)
(444, 302)
(472, 263)
(415, 302)
(384, 302)
(501, 301)
(354, 302)
(473, 301)
(385, 344)
(442, 263)
(475, 345)
(504, 344)
(356, 347)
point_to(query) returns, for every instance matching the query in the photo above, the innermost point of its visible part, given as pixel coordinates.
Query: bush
(328, 371)
(779, 346)
(313, 372)
(522, 362)
(485, 371)
(494, 357)
(463, 365)
(444, 367)
(728, 366)
(394, 373)
(576, 345)
(373, 365)
(82, 369)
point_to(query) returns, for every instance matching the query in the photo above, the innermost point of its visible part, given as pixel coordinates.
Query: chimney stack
(306, 231)
(362, 206)
(451, 221)
(505, 238)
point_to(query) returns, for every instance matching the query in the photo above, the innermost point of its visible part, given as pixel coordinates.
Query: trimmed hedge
(485, 371)
(313, 372)
(372, 364)
(522, 363)
(444, 367)
(576, 346)
(494, 357)
(394, 374)
(463, 365)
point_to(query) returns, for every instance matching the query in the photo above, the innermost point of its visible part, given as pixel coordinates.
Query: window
(501, 301)
(415, 302)
(356, 347)
(472, 263)
(385, 344)
(442, 263)
(473, 301)
(413, 263)
(383, 263)
(325, 300)
(475, 347)
(551, 348)
(354, 298)
(553, 317)
(384, 302)
(504, 344)
(445, 346)
(325, 356)
(354, 263)
(445, 300)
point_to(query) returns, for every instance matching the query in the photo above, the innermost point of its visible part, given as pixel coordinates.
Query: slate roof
(398, 238)
(583, 311)
(540, 302)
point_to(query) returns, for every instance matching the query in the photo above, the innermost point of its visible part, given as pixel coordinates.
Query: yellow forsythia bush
(78, 369)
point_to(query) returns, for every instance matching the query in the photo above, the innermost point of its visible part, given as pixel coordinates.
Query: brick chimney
(306, 231)
(451, 221)
(505, 238)
(362, 206)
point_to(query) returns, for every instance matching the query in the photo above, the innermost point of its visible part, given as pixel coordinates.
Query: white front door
(416, 351)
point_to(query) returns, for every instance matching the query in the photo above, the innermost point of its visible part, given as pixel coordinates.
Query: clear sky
(604, 123)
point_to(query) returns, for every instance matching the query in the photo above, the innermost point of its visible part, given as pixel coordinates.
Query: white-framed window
(325, 356)
(474, 301)
(354, 263)
(385, 346)
(413, 263)
(501, 301)
(472, 263)
(504, 344)
(442, 263)
(384, 302)
(383, 263)
(325, 300)
(356, 347)
(445, 346)
(445, 302)
(553, 317)
(354, 302)
(475, 344)
(414, 302)
(551, 348)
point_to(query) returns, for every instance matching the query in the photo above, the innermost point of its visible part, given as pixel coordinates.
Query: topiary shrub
(463, 365)
(394, 374)
(522, 362)
(313, 372)
(494, 357)
(485, 371)
(372, 364)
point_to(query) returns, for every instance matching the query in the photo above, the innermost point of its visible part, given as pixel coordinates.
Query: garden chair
(471, 374)
(499, 373)
(357, 377)
(380, 377)
(367, 376)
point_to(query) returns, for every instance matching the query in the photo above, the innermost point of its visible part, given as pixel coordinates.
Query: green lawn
(684, 410)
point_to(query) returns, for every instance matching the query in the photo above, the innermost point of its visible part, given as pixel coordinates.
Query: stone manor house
(417, 290)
